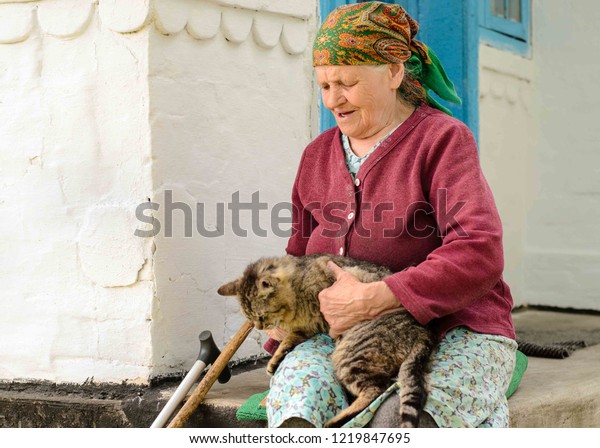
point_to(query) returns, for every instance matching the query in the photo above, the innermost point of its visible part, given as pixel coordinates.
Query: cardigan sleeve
(271, 346)
(470, 260)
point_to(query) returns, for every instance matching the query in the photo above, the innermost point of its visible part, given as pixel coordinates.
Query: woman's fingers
(276, 333)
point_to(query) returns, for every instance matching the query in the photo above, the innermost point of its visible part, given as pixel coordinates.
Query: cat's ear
(229, 289)
(268, 281)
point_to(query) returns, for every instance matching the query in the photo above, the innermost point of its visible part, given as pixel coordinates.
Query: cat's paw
(272, 367)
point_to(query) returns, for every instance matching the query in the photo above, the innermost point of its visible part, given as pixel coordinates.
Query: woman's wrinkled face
(363, 99)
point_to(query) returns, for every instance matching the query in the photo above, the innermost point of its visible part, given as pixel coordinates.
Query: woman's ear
(396, 75)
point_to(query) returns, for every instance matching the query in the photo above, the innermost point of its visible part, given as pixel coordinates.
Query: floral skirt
(467, 384)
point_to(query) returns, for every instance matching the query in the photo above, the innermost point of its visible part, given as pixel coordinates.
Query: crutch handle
(211, 376)
(209, 352)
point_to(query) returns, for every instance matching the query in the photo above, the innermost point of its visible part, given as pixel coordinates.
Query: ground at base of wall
(549, 325)
(42, 404)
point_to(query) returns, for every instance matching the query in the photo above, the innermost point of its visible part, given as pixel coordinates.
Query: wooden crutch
(211, 376)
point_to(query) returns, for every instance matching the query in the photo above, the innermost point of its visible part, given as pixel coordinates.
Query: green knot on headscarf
(432, 77)
(376, 33)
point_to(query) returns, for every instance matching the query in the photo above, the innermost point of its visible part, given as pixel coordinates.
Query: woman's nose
(333, 98)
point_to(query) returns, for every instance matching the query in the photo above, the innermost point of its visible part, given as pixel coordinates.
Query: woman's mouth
(344, 114)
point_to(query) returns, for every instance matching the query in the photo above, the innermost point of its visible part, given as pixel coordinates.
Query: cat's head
(264, 293)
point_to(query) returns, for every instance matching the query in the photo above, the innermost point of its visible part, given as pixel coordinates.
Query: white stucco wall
(230, 108)
(105, 104)
(74, 161)
(507, 149)
(562, 244)
(540, 151)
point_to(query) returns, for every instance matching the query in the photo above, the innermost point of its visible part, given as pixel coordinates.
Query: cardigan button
(357, 182)
(341, 251)
(350, 215)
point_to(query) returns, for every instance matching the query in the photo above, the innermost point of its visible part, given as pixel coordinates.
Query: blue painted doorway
(451, 30)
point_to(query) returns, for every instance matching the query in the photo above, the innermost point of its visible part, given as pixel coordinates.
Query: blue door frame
(452, 30)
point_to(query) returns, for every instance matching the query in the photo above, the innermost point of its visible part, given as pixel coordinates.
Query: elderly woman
(398, 183)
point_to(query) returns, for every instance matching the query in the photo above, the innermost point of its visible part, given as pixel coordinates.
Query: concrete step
(559, 393)
(44, 405)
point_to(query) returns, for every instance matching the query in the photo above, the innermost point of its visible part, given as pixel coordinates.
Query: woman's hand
(349, 301)
(276, 333)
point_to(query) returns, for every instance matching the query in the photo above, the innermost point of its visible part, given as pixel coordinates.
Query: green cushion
(251, 409)
(520, 367)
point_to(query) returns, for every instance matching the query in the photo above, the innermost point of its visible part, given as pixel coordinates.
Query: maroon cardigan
(421, 206)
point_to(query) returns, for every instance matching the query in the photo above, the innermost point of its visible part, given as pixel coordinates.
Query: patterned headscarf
(375, 33)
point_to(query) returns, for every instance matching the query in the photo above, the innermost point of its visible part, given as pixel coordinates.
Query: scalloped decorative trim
(269, 22)
(64, 18)
(16, 23)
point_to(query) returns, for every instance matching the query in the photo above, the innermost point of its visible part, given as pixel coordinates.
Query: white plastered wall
(540, 151)
(105, 104)
(231, 103)
(74, 161)
(507, 149)
(562, 245)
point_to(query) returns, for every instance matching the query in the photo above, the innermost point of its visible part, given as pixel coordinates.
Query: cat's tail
(412, 379)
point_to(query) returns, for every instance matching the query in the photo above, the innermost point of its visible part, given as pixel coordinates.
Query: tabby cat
(283, 292)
